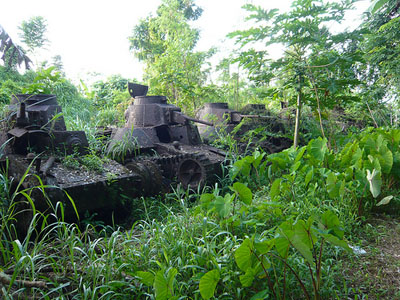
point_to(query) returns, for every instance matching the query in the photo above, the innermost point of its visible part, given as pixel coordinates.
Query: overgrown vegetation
(289, 225)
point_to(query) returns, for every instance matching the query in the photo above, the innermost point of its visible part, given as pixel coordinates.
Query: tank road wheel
(150, 174)
(192, 173)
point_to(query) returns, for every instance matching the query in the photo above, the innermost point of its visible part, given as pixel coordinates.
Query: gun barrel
(255, 116)
(199, 121)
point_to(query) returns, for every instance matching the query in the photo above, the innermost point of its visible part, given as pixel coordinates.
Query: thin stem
(372, 116)
(318, 270)
(318, 102)
(266, 274)
(313, 281)
(297, 121)
(284, 276)
(296, 275)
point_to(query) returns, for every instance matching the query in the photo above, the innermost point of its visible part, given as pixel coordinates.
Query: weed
(71, 161)
(119, 150)
(92, 162)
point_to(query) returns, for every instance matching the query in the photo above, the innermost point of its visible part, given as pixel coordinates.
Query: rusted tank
(35, 147)
(159, 132)
(37, 125)
(238, 123)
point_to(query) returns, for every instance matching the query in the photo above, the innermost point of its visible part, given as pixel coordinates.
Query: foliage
(166, 44)
(91, 162)
(381, 51)
(44, 82)
(105, 92)
(11, 83)
(12, 53)
(33, 33)
(363, 170)
(255, 257)
(275, 226)
(121, 149)
(247, 239)
(316, 62)
(8, 88)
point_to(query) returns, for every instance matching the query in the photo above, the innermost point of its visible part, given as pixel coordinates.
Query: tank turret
(226, 119)
(155, 126)
(36, 146)
(37, 124)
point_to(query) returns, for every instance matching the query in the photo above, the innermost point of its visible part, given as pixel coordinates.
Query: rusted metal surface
(36, 142)
(137, 89)
(47, 165)
(39, 125)
(226, 119)
(157, 127)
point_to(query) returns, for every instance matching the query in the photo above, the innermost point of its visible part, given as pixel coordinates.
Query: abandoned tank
(239, 123)
(35, 148)
(158, 132)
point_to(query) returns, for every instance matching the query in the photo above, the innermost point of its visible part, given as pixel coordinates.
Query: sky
(91, 36)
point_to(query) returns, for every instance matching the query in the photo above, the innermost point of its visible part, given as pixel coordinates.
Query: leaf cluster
(12, 53)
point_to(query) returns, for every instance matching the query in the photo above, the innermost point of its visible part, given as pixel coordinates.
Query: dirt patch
(375, 273)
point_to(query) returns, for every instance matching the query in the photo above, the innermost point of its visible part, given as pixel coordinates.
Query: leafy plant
(120, 149)
(257, 257)
(12, 52)
(44, 81)
(251, 168)
(92, 162)
(33, 32)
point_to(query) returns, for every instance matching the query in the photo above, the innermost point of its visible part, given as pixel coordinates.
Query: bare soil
(375, 274)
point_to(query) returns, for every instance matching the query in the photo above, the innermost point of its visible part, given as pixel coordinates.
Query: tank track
(177, 168)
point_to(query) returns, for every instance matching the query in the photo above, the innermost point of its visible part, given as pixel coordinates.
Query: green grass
(171, 241)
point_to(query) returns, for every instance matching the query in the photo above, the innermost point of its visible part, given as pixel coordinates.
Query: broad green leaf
(375, 182)
(350, 154)
(336, 241)
(244, 192)
(282, 246)
(171, 277)
(330, 221)
(342, 189)
(285, 231)
(371, 145)
(243, 255)
(385, 158)
(317, 149)
(298, 242)
(309, 176)
(385, 201)
(146, 278)
(258, 156)
(372, 163)
(275, 188)
(161, 286)
(208, 283)
(394, 137)
(206, 199)
(300, 154)
(247, 279)
(242, 166)
(261, 295)
(262, 265)
(295, 167)
(332, 189)
(302, 231)
(264, 246)
(223, 205)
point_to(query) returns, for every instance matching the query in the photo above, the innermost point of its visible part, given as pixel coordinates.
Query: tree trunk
(297, 122)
